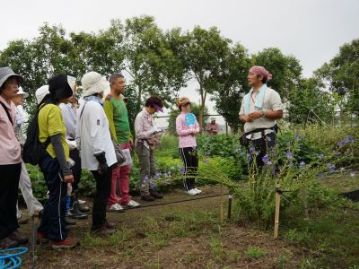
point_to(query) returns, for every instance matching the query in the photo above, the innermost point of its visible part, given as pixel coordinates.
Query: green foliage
(341, 74)
(308, 104)
(286, 70)
(205, 54)
(231, 80)
(39, 187)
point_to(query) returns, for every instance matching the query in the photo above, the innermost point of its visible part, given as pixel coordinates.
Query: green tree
(308, 103)
(231, 81)
(341, 75)
(205, 53)
(151, 60)
(286, 70)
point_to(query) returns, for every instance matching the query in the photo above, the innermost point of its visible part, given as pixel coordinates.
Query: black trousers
(76, 172)
(261, 147)
(9, 185)
(189, 157)
(53, 219)
(103, 189)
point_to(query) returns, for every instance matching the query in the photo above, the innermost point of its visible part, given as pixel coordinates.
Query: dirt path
(177, 235)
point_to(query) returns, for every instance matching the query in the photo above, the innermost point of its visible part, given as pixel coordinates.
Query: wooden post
(277, 211)
(229, 213)
(221, 205)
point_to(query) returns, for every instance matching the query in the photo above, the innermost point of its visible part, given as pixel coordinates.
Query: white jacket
(93, 135)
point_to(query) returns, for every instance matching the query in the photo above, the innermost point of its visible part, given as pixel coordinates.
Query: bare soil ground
(176, 235)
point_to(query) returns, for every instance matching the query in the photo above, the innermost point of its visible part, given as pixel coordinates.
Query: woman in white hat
(96, 148)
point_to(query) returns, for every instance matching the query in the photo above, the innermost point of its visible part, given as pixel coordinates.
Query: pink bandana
(260, 70)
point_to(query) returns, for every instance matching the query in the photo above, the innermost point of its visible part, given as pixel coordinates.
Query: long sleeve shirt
(94, 136)
(10, 150)
(144, 126)
(69, 116)
(186, 133)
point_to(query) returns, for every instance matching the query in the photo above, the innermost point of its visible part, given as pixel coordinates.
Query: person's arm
(94, 121)
(108, 107)
(273, 115)
(66, 114)
(277, 107)
(180, 130)
(60, 154)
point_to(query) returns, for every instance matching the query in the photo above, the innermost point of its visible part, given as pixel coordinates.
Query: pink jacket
(10, 150)
(186, 134)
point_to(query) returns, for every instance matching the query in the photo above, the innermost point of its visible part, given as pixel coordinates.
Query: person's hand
(255, 115)
(102, 163)
(69, 178)
(102, 168)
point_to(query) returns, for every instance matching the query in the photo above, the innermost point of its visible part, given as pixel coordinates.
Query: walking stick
(277, 210)
(33, 239)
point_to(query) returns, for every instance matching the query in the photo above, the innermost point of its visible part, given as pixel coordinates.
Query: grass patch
(254, 253)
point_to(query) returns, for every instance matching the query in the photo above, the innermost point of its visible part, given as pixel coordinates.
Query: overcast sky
(311, 30)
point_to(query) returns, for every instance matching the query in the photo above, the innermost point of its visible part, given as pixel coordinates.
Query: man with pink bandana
(260, 109)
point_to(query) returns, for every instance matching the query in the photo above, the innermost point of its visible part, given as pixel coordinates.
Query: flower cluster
(345, 141)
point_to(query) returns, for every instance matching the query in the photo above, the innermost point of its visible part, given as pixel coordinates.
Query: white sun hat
(93, 82)
(41, 93)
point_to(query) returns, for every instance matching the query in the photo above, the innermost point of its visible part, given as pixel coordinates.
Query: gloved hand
(72, 144)
(102, 167)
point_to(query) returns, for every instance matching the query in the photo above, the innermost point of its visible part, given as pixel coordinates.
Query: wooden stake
(277, 209)
(221, 205)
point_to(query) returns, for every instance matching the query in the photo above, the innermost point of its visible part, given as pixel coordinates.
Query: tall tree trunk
(202, 106)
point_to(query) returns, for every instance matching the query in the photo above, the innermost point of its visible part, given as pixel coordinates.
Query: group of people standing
(79, 134)
(89, 133)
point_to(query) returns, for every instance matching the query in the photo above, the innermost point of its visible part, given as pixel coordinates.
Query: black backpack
(34, 151)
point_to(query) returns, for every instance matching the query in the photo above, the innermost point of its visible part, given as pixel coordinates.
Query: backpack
(34, 151)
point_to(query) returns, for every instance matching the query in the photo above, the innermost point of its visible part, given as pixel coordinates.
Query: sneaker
(198, 190)
(133, 204)
(65, 244)
(147, 197)
(103, 231)
(192, 192)
(76, 213)
(116, 208)
(81, 202)
(84, 208)
(8, 243)
(18, 237)
(156, 194)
